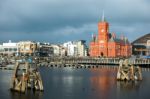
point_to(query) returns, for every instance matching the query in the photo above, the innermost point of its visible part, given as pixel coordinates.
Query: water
(69, 83)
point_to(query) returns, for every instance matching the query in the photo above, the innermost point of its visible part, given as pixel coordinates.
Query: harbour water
(71, 83)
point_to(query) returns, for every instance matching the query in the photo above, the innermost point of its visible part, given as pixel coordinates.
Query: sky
(59, 21)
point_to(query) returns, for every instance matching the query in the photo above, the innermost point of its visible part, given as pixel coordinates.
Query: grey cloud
(31, 19)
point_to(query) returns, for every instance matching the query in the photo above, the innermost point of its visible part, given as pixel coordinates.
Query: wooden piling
(128, 71)
(21, 82)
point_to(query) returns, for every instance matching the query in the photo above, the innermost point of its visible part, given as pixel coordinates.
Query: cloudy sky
(58, 21)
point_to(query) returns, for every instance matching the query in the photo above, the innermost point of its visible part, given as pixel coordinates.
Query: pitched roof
(117, 40)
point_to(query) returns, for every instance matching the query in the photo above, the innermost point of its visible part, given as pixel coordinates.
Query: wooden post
(139, 73)
(132, 72)
(22, 82)
(128, 71)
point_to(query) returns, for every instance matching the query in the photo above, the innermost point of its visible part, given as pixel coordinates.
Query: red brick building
(106, 44)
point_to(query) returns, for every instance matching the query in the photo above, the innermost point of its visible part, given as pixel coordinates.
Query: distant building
(70, 47)
(44, 49)
(56, 49)
(141, 46)
(148, 47)
(76, 48)
(63, 51)
(27, 47)
(9, 48)
(107, 44)
(81, 48)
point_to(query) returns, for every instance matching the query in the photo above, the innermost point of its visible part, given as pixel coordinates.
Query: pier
(85, 62)
(90, 61)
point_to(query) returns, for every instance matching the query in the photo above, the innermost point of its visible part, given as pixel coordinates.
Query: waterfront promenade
(78, 62)
(98, 61)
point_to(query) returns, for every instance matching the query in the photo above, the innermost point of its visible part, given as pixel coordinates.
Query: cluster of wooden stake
(127, 71)
(25, 77)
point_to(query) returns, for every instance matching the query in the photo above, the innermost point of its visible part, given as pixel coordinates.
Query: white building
(76, 48)
(81, 48)
(57, 50)
(9, 48)
(62, 50)
(70, 47)
(148, 47)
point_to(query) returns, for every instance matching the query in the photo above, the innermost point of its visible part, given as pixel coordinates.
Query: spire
(103, 16)
(92, 36)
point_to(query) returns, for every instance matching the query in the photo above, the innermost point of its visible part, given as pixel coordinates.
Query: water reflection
(130, 90)
(68, 83)
(103, 82)
(28, 95)
(128, 85)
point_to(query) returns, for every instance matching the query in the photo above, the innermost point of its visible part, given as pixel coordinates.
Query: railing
(103, 61)
(84, 60)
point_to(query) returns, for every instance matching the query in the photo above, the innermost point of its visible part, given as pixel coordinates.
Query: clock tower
(103, 31)
(106, 44)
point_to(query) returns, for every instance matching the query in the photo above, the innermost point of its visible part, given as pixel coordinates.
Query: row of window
(8, 49)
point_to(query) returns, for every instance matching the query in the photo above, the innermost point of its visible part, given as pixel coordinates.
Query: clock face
(102, 30)
(101, 41)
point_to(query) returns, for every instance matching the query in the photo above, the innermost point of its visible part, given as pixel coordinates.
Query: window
(6, 49)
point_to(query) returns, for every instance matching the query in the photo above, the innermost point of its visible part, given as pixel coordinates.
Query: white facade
(62, 51)
(9, 48)
(81, 48)
(148, 47)
(70, 47)
(56, 50)
(76, 48)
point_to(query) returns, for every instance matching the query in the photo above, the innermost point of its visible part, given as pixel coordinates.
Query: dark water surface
(70, 83)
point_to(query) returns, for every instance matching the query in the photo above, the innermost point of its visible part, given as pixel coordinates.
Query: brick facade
(106, 44)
